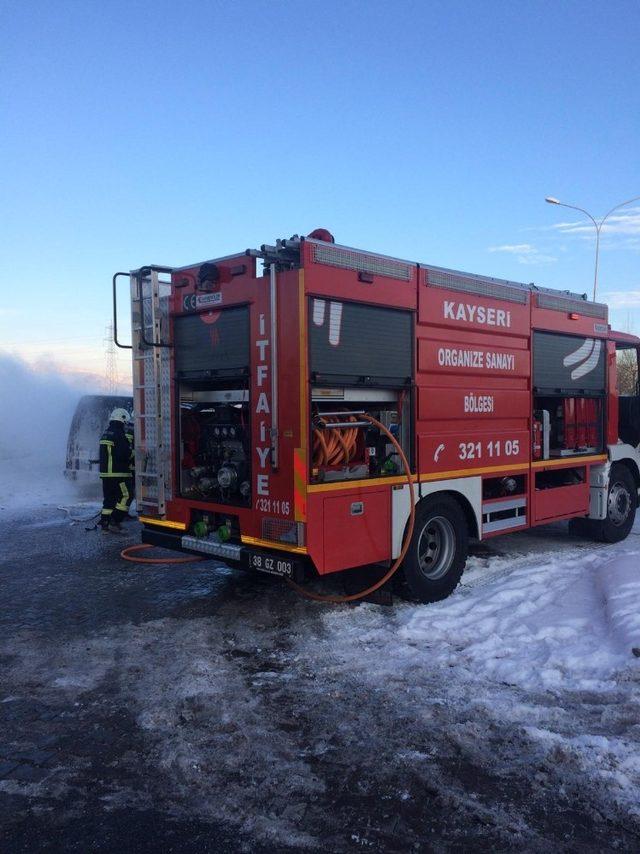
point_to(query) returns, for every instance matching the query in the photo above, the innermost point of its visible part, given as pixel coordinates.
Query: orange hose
(125, 555)
(338, 600)
(331, 447)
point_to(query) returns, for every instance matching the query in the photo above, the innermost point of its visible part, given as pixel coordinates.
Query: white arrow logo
(335, 318)
(586, 357)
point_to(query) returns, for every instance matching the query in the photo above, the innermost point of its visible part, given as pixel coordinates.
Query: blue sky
(138, 132)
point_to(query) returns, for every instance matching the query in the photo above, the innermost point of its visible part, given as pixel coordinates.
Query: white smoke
(36, 407)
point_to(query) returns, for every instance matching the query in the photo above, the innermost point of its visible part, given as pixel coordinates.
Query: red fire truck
(254, 377)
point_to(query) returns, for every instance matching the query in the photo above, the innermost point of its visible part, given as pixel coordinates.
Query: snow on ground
(546, 642)
(620, 584)
(539, 621)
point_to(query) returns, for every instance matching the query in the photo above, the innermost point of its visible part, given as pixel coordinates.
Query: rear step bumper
(233, 554)
(225, 551)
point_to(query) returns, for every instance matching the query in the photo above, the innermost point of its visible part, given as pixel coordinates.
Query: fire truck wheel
(621, 508)
(437, 555)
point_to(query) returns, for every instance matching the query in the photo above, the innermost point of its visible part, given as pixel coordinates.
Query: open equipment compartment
(569, 388)
(361, 363)
(212, 395)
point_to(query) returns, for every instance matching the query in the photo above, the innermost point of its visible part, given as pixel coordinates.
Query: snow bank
(543, 627)
(37, 407)
(619, 580)
(554, 621)
(544, 647)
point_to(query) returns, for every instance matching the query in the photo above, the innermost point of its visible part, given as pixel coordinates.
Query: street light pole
(598, 226)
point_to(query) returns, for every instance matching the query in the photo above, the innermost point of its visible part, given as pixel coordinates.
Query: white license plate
(270, 564)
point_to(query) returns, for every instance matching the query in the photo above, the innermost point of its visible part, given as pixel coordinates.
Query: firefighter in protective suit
(115, 473)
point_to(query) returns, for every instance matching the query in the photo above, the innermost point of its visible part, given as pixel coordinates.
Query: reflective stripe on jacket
(115, 452)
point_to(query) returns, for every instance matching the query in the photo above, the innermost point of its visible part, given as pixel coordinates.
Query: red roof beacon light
(322, 234)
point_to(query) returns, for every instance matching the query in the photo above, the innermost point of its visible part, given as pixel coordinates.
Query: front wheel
(437, 555)
(621, 508)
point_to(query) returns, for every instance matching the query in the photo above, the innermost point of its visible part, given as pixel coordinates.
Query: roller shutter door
(352, 343)
(568, 363)
(215, 342)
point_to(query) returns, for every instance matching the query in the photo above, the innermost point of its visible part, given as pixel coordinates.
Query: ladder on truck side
(151, 356)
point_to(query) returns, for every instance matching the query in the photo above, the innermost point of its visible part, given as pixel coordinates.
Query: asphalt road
(194, 708)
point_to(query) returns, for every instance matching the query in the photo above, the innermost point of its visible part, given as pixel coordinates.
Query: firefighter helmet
(119, 414)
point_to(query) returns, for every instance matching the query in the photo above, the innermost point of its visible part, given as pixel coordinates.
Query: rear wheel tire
(437, 555)
(622, 499)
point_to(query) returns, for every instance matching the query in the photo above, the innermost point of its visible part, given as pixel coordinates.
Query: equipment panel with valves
(215, 449)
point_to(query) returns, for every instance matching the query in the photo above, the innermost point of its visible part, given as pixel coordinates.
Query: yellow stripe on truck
(162, 523)
(268, 544)
(358, 484)
(569, 461)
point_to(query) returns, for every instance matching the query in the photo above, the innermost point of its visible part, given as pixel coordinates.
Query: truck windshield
(629, 400)
(627, 370)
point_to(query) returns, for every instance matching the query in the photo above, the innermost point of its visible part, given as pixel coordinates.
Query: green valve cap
(224, 533)
(389, 467)
(200, 529)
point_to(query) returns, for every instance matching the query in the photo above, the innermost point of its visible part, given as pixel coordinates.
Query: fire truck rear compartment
(212, 396)
(215, 457)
